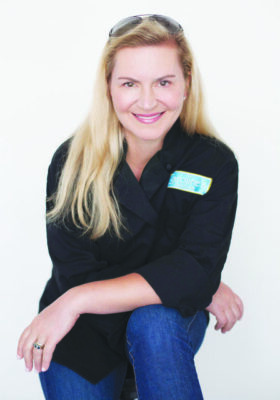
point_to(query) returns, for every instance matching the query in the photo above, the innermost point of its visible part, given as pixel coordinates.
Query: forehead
(162, 59)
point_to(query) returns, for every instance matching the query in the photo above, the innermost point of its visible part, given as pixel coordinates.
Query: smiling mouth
(148, 118)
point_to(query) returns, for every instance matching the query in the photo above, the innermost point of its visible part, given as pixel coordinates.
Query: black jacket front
(176, 239)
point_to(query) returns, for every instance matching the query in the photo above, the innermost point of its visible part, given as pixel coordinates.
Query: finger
(229, 324)
(21, 342)
(236, 311)
(231, 319)
(28, 354)
(47, 356)
(240, 304)
(221, 321)
(38, 356)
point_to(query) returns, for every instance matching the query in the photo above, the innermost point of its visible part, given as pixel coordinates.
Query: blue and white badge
(189, 182)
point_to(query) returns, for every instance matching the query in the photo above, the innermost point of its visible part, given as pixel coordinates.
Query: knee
(156, 327)
(153, 325)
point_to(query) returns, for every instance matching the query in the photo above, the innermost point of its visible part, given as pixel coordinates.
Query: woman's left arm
(227, 307)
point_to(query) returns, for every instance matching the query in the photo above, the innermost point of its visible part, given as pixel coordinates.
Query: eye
(164, 83)
(128, 84)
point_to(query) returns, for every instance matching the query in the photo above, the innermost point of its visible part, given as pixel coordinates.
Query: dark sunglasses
(126, 24)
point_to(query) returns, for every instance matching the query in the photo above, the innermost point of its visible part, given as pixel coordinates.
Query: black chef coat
(176, 239)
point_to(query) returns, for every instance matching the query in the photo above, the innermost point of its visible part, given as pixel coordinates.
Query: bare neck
(138, 155)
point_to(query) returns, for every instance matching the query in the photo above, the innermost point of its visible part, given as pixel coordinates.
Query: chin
(149, 131)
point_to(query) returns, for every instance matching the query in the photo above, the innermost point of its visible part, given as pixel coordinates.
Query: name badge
(189, 182)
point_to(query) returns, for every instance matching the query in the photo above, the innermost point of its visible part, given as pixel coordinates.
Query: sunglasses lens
(125, 25)
(170, 24)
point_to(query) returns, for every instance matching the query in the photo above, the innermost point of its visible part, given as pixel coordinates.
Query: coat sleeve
(188, 277)
(74, 256)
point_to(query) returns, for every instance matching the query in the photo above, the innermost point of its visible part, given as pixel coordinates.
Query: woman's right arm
(74, 256)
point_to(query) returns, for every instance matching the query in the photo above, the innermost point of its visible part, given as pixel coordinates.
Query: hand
(48, 328)
(227, 307)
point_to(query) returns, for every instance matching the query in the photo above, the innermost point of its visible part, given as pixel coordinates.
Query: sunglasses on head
(126, 24)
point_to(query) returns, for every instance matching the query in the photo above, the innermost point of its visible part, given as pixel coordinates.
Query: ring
(38, 346)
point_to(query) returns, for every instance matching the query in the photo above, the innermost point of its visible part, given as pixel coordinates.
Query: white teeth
(148, 118)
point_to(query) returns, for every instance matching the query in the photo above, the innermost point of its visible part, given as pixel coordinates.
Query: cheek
(117, 102)
(174, 100)
(121, 101)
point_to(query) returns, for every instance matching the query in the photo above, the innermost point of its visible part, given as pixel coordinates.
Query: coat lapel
(130, 194)
(154, 176)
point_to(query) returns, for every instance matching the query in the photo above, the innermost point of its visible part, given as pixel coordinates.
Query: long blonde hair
(85, 191)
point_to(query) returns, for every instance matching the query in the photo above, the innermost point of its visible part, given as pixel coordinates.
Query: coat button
(168, 167)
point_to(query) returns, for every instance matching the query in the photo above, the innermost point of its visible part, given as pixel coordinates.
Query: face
(147, 87)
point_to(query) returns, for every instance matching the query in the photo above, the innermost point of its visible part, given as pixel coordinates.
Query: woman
(140, 211)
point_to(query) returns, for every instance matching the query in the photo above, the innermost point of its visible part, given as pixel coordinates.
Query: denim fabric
(61, 383)
(161, 345)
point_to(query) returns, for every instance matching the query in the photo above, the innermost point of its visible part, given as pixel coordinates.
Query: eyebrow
(136, 81)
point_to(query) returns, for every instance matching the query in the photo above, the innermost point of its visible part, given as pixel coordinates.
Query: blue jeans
(161, 345)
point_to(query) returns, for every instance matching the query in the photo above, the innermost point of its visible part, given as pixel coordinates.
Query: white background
(49, 51)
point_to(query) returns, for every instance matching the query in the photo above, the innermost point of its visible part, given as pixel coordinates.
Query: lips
(148, 118)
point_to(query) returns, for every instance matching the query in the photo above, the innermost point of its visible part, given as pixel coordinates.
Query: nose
(147, 99)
